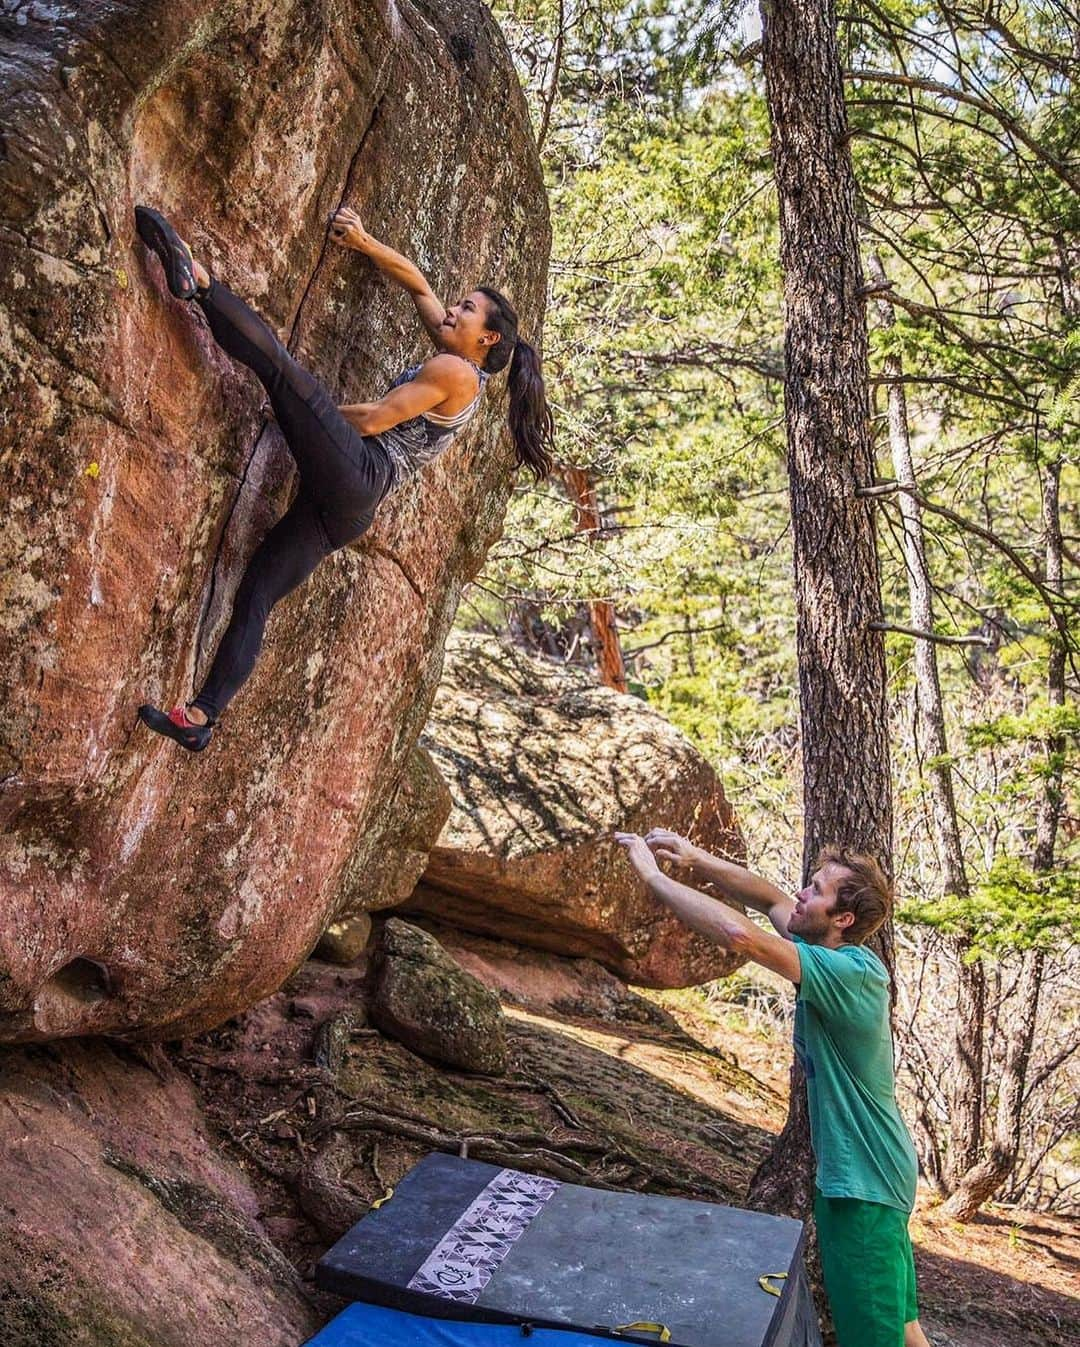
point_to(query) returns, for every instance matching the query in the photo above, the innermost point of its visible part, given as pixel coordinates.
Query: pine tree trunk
(966, 1084)
(846, 784)
(982, 1181)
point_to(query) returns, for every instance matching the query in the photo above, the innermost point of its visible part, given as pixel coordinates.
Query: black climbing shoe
(175, 725)
(175, 256)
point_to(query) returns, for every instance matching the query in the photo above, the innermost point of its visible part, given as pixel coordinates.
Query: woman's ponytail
(531, 424)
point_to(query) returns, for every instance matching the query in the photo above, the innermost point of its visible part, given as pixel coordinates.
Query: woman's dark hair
(531, 423)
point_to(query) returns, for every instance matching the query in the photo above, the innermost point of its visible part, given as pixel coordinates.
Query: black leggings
(343, 477)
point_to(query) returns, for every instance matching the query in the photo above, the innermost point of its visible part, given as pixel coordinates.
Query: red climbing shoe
(176, 725)
(173, 253)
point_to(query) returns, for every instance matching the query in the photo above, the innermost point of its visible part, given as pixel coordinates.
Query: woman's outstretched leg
(237, 329)
(241, 333)
(284, 559)
(338, 469)
(343, 477)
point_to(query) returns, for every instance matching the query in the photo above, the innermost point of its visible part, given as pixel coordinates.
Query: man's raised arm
(733, 881)
(709, 916)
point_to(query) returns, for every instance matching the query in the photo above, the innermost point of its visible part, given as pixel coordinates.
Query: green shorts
(869, 1270)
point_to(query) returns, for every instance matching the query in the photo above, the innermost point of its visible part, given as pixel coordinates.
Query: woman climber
(348, 458)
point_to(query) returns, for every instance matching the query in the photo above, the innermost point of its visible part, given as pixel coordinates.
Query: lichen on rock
(431, 1004)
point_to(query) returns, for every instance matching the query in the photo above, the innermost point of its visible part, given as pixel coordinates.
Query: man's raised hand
(668, 846)
(638, 854)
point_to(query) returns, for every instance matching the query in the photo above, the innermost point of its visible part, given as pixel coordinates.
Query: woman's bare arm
(444, 378)
(346, 228)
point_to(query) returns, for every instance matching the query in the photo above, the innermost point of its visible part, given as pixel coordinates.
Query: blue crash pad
(376, 1326)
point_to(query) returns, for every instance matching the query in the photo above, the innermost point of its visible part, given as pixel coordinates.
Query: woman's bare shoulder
(452, 372)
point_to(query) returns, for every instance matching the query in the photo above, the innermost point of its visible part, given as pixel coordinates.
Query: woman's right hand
(347, 229)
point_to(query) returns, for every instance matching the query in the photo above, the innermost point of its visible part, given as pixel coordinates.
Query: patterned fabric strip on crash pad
(376, 1326)
(470, 1241)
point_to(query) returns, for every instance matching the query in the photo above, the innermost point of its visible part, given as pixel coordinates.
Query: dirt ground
(677, 1097)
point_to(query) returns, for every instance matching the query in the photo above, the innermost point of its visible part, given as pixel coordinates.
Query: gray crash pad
(469, 1241)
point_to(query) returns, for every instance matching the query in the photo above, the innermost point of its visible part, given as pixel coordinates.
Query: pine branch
(957, 95)
(1053, 601)
(931, 636)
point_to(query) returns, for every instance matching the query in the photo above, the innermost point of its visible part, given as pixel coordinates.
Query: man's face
(815, 906)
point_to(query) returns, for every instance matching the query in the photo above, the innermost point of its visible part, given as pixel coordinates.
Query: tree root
(528, 1150)
(324, 1198)
(321, 1113)
(558, 1103)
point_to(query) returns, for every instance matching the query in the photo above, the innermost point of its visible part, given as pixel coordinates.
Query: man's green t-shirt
(843, 1041)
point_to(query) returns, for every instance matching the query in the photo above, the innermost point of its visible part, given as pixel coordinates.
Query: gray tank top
(413, 443)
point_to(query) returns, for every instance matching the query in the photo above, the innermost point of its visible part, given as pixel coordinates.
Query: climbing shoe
(176, 725)
(175, 256)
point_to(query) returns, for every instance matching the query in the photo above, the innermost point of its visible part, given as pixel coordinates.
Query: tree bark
(607, 650)
(784, 1181)
(846, 782)
(966, 1085)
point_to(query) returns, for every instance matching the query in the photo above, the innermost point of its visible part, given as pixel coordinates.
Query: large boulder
(415, 816)
(543, 767)
(144, 891)
(427, 1001)
(419, 808)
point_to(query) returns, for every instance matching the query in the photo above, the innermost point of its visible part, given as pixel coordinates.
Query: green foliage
(1013, 907)
(664, 357)
(1036, 724)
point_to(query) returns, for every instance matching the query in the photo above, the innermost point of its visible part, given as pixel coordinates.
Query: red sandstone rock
(144, 891)
(546, 983)
(544, 767)
(122, 1223)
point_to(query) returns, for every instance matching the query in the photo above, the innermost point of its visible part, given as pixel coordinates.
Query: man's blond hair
(863, 890)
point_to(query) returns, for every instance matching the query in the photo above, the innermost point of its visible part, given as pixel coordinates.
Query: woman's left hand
(346, 228)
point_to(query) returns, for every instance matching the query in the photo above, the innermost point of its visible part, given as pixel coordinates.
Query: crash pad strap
(663, 1334)
(361, 1325)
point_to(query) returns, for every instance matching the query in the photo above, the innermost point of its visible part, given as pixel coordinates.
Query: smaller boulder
(431, 1004)
(546, 983)
(344, 941)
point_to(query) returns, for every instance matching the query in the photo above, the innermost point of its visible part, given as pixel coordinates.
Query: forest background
(661, 553)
